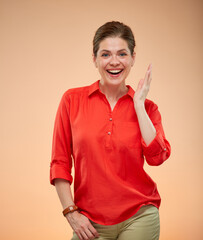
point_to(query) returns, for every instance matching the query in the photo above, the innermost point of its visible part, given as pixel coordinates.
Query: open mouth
(114, 72)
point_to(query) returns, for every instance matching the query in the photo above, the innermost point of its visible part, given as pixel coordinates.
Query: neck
(113, 93)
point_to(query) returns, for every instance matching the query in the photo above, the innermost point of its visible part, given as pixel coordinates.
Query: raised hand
(143, 87)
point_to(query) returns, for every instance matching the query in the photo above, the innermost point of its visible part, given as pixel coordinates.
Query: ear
(133, 57)
(94, 60)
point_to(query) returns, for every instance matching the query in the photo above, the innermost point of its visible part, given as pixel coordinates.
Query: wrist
(139, 105)
(70, 209)
(71, 215)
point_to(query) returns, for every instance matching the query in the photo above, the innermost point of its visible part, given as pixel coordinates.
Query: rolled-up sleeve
(159, 149)
(61, 160)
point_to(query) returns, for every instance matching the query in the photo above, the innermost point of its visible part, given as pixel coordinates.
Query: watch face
(70, 209)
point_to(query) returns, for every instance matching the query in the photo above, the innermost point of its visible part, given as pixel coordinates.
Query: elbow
(60, 171)
(157, 160)
(154, 161)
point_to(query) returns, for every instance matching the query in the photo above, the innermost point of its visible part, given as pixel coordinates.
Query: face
(114, 60)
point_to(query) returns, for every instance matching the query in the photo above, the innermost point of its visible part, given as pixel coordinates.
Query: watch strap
(70, 209)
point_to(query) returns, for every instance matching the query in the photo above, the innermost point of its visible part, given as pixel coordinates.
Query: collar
(95, 88)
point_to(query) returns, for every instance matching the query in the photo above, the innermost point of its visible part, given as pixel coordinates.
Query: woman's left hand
(143, 87)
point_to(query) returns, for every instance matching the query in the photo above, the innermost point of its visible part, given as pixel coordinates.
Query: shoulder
(82, 92)
(75, 93)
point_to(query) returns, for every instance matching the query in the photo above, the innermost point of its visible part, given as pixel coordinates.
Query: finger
(80, 236)
(93, 231)
(147, 75)
(90, 234)
(84, 235)
(150, 76)
(150, 66)
(140, 84)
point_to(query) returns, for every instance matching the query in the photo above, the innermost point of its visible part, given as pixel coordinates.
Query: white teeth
(114, 71)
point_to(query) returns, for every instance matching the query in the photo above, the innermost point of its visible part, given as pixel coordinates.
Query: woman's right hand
(81, 226)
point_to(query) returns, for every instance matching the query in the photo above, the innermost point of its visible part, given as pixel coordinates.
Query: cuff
(156, 146)
(59, 172)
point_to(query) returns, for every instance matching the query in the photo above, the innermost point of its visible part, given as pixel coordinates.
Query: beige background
(45, 49)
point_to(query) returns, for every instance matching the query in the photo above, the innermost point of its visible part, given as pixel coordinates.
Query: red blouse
(108, 150)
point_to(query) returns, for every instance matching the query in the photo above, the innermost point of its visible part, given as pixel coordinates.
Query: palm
(143, 86)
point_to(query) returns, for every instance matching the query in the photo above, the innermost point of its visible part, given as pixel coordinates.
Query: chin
(115, 81)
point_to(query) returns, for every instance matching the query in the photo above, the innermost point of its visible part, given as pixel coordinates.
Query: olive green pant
(144, 225)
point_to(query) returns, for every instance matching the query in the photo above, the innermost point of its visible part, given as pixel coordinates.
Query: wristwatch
(70, 209)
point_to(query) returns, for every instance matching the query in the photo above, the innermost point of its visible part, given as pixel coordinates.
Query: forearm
(79, 222)
(64, 192)
(147, 128)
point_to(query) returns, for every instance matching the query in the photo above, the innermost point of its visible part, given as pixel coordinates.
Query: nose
(114, 61)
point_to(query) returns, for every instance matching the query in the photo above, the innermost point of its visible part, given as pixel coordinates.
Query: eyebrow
(104, 50)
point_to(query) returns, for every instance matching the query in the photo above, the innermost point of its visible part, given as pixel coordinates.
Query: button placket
(109, 131)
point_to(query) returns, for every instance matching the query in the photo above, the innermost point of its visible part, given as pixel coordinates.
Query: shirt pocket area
(128, 134)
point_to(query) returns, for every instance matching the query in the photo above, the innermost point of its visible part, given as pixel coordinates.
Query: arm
(155, 146)
(60, 171)
(79, 223)
(147, 128)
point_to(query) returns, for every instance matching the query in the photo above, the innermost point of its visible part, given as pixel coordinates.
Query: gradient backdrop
(45, 49)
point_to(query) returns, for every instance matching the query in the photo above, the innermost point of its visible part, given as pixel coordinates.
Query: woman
(108, 130)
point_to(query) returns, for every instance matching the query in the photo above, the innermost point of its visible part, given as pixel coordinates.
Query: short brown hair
(114, 29)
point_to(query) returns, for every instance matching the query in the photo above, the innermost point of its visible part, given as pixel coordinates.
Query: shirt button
(164, 149)
(110, 119)
(109, 133)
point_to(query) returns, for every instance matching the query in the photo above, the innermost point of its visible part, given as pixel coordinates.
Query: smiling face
(114, 60)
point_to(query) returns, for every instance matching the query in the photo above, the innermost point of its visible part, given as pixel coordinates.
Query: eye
(105, 55)
(123, 54)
